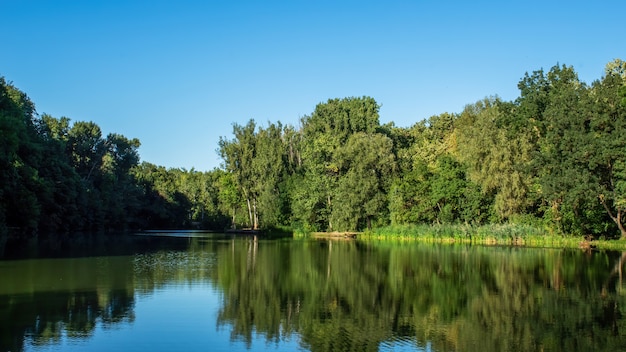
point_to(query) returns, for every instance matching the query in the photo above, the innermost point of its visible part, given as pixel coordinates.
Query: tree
(238, 155)
(269, 168)
(86, 147)
(324, 133)
(432, 186)
(366, 165)
(20, 153)
(163, 204)
(409, 197)
(565, 144)
(258, 160)
(229, 196)
(60, 199)
(496, 149)
(576, 149)
(608, 142)
(435, 137)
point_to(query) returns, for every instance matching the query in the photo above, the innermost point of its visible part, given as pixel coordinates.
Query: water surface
(164, 292)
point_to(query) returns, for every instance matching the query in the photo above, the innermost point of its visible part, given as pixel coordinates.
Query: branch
(606, 207)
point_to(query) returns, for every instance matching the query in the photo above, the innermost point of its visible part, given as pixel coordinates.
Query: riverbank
(499, 235)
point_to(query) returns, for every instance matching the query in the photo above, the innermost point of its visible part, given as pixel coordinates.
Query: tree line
(59, 176)
(554, 157)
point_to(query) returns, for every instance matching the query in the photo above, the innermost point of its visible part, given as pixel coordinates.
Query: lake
(194, 291)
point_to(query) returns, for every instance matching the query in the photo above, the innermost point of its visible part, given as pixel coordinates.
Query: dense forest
(555, 157)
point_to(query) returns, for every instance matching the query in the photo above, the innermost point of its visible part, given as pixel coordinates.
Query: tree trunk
(256, 215)
(330, 212)
(251, 221)
(616, 218)
(620, 224)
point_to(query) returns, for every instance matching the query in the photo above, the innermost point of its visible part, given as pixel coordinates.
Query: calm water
(199, 293)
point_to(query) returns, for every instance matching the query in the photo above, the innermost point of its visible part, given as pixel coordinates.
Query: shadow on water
(63, 287)
(89, 245)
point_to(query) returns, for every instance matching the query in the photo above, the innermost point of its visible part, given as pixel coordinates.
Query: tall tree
(269, 168)
(366, 165)
(238, 155)
(60, 200)
(118, 190)
(87, 147)
(497, 150)
(571, 125)
(324, 132)
(607, 160)
(20, 153)
(229, 196)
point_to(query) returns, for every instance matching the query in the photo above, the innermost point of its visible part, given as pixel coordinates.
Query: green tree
(119, 194)
(87, 148)
(20, 153)
(497, 153)
(409, 197)
(432, 186)
(608, 142)
(238, 155)
(269, 168)
(324, 133)
(435, 137)
(564, 126)
(61, 203)
(229, 196)
(163, 206)
(366, 166)
(259, 161)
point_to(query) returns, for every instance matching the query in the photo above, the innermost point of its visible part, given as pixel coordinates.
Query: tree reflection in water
(336, 296)
(358, 296)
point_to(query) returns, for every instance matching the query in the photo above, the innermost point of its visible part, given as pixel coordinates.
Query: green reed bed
(495, 234)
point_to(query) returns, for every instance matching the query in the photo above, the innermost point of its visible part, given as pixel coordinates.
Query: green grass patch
(494, 234)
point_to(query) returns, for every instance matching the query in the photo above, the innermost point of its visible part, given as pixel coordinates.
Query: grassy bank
(500, 234)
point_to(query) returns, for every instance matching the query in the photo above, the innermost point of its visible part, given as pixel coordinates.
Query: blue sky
(178, 74)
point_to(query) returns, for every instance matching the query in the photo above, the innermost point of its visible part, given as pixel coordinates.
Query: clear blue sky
(178, 74)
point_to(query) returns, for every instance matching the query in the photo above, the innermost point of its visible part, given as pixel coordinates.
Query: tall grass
(493, 234)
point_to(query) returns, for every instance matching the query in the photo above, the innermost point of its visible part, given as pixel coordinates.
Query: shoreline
(487, 235)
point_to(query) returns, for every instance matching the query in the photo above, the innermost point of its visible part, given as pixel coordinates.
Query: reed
(493, 234)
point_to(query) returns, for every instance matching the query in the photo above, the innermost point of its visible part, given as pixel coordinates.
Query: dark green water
(213, 292)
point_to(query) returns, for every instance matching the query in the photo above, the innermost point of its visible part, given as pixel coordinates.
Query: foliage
(64, 177)
(326, 157)
(554, 156)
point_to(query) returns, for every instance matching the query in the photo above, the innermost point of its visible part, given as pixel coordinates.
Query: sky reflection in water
(198, 294)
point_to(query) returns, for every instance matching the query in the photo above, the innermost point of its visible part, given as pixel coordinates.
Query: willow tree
(432, 186)
(496, 152)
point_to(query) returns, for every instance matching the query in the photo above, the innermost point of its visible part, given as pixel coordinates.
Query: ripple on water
(403, 343)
